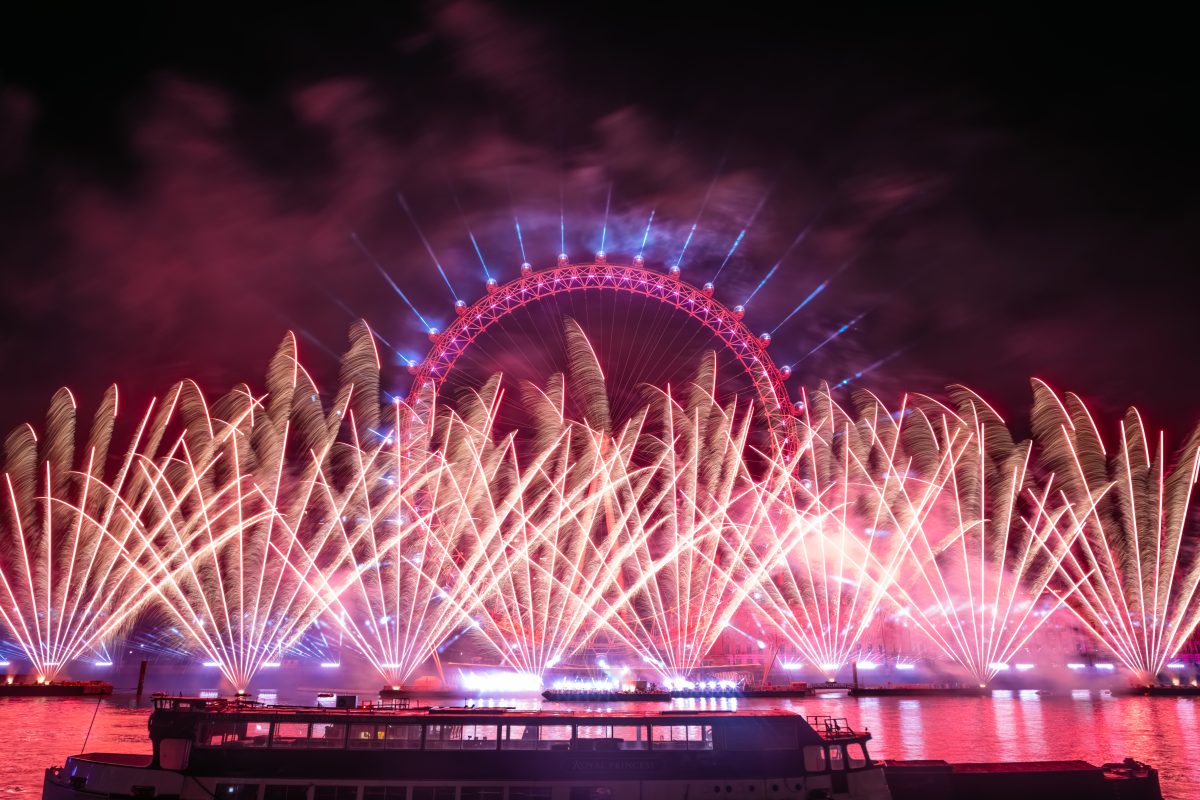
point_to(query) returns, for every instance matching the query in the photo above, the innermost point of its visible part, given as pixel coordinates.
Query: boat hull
(572, 696)
(919, 691)
(1158, 691)
(1029, 780)
(63, 689)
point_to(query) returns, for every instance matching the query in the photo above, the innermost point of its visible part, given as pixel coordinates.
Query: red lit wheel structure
(501, 300)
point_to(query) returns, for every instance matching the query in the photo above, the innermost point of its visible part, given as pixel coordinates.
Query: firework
(247, 519)
(689, 520)
(845, 513)
(973, 576)
(1132, 578)
(65, 586)
(405, 586)
(224, 540)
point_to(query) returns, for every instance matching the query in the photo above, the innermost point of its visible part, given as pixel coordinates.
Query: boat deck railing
(832, 727)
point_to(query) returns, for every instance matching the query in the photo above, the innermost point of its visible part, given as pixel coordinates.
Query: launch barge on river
(27, 686)
(205, 748)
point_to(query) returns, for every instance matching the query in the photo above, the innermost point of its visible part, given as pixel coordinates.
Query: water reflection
(912, 729)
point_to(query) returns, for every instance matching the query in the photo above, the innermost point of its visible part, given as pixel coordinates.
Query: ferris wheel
(646, 326)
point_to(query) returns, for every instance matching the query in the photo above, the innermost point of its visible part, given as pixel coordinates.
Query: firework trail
(246, 519)
(226, 543)
(1132, 578)
(995, 540)
(845, 515)
(393, 591)
(65, 587)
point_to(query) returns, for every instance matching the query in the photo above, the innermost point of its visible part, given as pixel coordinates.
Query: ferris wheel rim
(501, 299)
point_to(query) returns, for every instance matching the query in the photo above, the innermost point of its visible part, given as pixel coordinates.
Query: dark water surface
(39, 732)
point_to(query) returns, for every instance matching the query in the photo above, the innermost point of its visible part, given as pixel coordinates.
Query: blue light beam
(800, 237)
(812, 295)
(388, 278)
(703, 206)
(847, 326)
(424, 241)
(742, 235)
(872, 367)
(487, 275)
(646, 235)
(607, 206)
(520, 241)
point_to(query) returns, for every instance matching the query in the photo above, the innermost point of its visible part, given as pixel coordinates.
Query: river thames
(1008, 726)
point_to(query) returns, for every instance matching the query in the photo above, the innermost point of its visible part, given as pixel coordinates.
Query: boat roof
(210, 705)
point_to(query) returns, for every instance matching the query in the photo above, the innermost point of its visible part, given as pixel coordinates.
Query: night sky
(989, 197)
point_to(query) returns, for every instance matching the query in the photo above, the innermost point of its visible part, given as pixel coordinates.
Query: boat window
(814, 758)
(236, 791)
(460, 737)
(856, 756)
(328, 734)
(366, 736)
(610, 737)
(402, 737)
(327, 792)
(536, 737)
(232, 734)
(681, 737)
(481, 793)
(433, 793)
(835, 758)
(385, 793)
(530, 792)
(591, 793)
(749, 733)
(280, 791)
(290, 734)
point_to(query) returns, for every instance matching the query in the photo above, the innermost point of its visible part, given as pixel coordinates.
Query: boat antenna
(88, 735)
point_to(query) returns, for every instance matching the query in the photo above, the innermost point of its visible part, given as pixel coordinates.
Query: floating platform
(24, 686)
(404, 693)
(1028, 780)
(745, 691)
(920, 691)
(778, 691)
(1157, 691)
(593, 695)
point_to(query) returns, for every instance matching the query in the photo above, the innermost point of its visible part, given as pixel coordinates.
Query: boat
(919, 691)
(1157, 691)
(409, 693)
(794, 689)
(27, 686)
(608, 695)
(237, 749)
(1028, 780)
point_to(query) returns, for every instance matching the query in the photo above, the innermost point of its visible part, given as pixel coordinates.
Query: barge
(919, 691)
(608, 695)
(26, 686)
(1157, 691)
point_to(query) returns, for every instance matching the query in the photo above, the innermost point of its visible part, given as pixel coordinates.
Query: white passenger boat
(207, 748)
